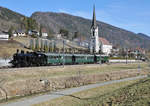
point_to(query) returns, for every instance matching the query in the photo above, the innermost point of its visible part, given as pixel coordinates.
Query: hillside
(8, 48)
(9, 18)
(117, 36)
(56, 21)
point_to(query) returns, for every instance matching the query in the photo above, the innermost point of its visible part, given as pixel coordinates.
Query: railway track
(9, 68)
(5, 67)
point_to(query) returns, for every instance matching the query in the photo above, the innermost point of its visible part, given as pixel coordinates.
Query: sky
(132, 15)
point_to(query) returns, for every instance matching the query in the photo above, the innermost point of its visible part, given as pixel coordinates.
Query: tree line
(42, 45)
(26, 23)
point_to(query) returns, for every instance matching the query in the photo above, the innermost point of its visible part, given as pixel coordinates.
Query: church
(97, 44)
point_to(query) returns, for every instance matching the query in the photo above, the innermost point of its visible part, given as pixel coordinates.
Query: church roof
(104, 41)
(94, 18)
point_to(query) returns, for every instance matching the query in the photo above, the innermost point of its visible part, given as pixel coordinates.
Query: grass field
(94, 97)
(26, 81)
(48, 72)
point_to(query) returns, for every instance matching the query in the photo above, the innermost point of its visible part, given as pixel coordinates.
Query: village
(38, 39)
(64, 59)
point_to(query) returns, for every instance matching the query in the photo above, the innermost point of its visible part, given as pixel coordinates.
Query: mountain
(144, 36)
(117, 36)
(56, 21)
(9, 18)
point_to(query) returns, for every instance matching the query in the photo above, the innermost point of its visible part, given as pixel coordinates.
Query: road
(54, 95)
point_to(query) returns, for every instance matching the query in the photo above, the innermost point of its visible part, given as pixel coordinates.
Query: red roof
(44, 30)
(104, 41)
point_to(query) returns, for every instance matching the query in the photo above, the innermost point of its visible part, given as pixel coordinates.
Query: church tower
(94, 44)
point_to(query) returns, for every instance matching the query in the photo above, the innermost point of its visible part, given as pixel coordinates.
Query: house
(21, 33)
(58, 36)
(15, 33)
(4, 36)
(85, 44)
(44, 33)
(105, 46)
(141, 50)
(115, 51)
(138, 52)
(33, 32)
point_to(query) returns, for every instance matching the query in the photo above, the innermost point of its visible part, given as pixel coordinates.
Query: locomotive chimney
(22, 51)
(17, 51)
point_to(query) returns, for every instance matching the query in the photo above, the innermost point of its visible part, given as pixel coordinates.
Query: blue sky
(133, 15)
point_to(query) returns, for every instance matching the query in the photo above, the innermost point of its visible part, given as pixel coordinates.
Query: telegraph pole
(126, 55)
(63, 53)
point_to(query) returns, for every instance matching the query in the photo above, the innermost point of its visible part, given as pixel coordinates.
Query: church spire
(94, 48)
(94, 18)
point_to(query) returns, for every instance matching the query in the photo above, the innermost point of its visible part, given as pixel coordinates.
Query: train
(31, 59)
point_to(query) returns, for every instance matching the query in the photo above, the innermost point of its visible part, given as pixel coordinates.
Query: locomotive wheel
(18, 65)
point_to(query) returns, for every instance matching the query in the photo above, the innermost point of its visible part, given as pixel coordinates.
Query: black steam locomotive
(31, 59)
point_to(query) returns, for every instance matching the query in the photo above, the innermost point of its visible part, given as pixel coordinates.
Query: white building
(44, 33)
(4, 36)
(33, 32)
(14, 34)
(58, 36)
(105, 46)
(94, 43)
(98, 44)
(21, 33)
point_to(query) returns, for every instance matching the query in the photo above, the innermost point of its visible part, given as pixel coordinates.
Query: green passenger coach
(56, 59)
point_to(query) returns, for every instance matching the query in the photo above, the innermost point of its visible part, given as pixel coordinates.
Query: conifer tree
(42, 45)
(54, 47)
(10, 33)
(32, 44)
(25, 24)
(45, 46)
(49, 48)
(40, 31)
(37, 48)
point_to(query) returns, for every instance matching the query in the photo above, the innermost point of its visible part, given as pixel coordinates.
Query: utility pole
(63, 53)
(126, 56)
(100, 59)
